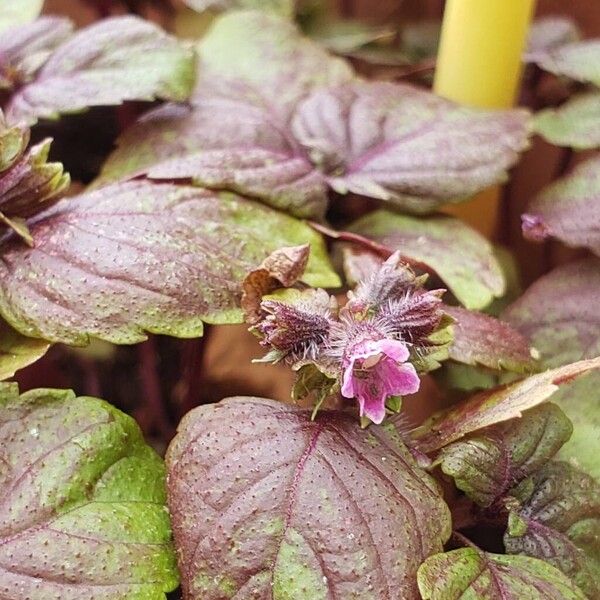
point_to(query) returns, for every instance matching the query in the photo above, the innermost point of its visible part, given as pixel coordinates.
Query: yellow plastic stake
(479, 64)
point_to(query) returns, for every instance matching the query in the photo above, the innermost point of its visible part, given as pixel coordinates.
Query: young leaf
(28, 183)
(13, 14)
(551, 32)
(284, 8)
(580, 400)
(488, 464)
(224, 141)
(32, 184)
(569, 209)
(267, 503)
(476, 575)
(17, 351)
(561, 525)
(138, 257)
(462, 258)
(82, 502)
(577, 60)
(483, 340)
(117, 59)
(24, 49)
(559, 315)
(407, 146)
(496, 406)
(574, 124)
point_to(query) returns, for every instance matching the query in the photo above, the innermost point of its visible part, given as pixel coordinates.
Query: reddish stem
(353, 238)
(375, 247)
(91, 379)
(191, 362)
(422, 67)
(157, 421)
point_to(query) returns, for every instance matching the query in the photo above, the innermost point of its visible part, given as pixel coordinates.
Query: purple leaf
(24, 49)
(82, 502)
(483, 340)
(477, 575)
(569, 209)
(269, 504)
(407, 146)
(285, 131)
(486, 465)
(139, 257)
(560, 523)
(574, 124)
(559, 313)
(225, 141)
(461, 257)
(577, 60)
(235, 135)
(117, 59)
(495, 406)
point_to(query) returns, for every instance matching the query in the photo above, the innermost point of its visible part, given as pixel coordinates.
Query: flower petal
(372, 406)
(348, 390)
(406, 380)
(395, 349)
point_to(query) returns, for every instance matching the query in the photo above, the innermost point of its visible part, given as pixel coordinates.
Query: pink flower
(373, 370)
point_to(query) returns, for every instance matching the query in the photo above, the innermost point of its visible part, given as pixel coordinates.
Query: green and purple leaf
(489, 463)
(483, 340)
(559, 313)
(251, 150)
(224, 141)
(117, 59)
(576, 60)
(137, 257)
(18, 351)
(580, 400)
(266, 57)
(267, 503)
(569, 209)
(461, 257)
(495, 406)
(287, 131)
(407, 146)
(82, 502)
(477, 575)
(574, 124)
(560, 523)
